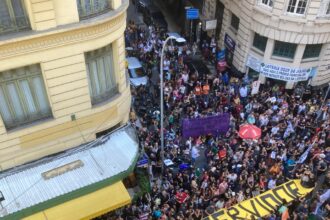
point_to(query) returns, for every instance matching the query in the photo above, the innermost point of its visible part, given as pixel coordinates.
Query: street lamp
(179, 40)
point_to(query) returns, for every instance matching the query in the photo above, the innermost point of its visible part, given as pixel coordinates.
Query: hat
(322, 156)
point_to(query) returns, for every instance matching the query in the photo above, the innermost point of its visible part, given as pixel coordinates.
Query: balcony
(91, 8)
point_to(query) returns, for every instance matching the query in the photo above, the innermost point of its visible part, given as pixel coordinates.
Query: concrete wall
(60, 52)
(276, 24)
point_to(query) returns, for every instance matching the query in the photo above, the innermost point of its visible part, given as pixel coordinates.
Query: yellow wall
(60, 52)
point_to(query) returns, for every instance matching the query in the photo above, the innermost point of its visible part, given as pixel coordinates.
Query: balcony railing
(92, 8)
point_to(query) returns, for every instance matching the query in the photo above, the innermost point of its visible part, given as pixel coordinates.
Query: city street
(227, 138)
(164, 109)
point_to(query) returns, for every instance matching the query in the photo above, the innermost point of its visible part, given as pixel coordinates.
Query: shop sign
(229, 42)
(280, 72)
(210, 25)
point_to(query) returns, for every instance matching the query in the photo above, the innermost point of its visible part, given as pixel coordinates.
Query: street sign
(192, 13)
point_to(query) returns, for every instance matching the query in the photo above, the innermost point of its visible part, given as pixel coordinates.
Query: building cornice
(67, 34)
(280, 28)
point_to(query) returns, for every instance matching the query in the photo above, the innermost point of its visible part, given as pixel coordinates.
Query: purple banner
(215, 125)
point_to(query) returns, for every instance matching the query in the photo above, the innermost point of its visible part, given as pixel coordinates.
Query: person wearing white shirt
(243, 91)
(232, 177)
(272, 183)
(275, 130)
(185, 77)
(166, 65)
(194, 154)
(263, 120)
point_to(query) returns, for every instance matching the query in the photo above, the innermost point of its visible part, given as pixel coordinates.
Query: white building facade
(287, 41)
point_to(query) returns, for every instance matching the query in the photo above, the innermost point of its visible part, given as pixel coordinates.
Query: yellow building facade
(62, 75)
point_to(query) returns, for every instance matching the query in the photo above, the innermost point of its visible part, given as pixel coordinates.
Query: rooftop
(38, 182)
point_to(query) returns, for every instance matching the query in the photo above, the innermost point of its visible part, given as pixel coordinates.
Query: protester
(294, 141)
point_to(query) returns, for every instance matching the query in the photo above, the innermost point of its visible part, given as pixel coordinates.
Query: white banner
(280, 72)
(210, 25)
(253, 63)
(284, 73)
(305, 154)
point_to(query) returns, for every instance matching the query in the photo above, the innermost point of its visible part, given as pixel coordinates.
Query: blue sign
(221, 55)
(143, 162)
(230, 43)
(192, 13)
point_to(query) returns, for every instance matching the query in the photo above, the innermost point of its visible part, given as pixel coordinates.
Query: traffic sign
(192, 13)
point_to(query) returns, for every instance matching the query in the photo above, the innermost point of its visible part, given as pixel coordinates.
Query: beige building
(62, 75)
(284, 41)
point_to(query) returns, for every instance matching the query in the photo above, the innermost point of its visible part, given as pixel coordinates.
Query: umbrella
(249, 131)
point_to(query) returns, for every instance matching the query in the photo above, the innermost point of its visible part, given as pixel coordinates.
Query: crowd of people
(230, 169)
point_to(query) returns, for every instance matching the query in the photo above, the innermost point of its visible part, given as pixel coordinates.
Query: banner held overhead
(264, 204)
(208, 125)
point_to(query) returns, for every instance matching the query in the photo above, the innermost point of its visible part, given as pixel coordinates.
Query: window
(260, 42)
(283, 49)
(90, 8)
(312, 51)
(268, 3)
(13, 16)
(102, 82)
(324, 9)
(234, 22)
(297, 6)
(23, 97)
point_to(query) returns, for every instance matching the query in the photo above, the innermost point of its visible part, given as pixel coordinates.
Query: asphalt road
(133, 14)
